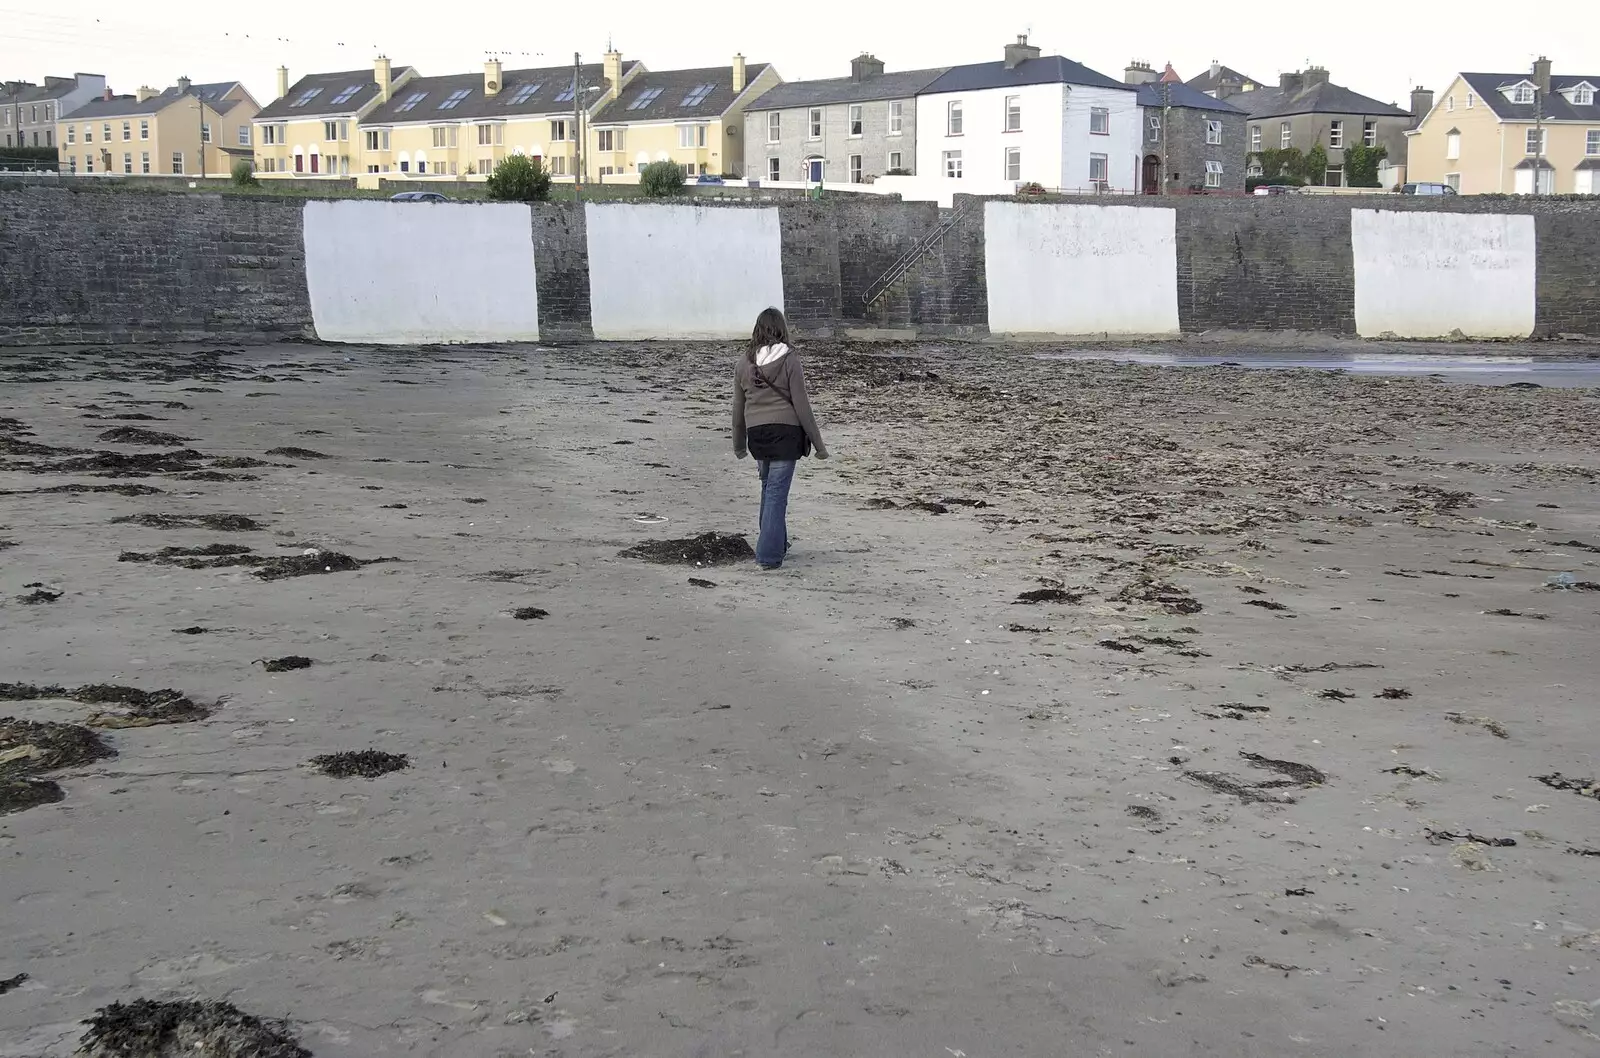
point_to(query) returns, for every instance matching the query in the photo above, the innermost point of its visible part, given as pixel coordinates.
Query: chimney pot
(491, 78)
(183, 85)
(283, 81)
(738, 73)
(1541, 74)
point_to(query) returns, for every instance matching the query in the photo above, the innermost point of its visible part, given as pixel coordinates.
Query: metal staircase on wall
(909, 259)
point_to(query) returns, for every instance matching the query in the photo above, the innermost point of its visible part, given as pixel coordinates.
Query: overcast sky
(1380, 49)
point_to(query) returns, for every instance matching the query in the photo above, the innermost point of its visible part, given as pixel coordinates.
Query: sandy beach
(1103, 708)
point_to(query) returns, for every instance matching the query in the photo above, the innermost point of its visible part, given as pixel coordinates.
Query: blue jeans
(776, 477)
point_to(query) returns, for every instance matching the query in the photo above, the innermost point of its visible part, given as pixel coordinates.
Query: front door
(814, 170)
(1152, 175)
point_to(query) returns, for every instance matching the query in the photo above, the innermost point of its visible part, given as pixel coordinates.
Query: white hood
(771, 354)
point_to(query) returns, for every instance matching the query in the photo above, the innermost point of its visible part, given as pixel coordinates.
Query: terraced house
(29, 112)
(313, 128)
(692, 117)
(464, 124)
(1520, 133)
(185, 130)
(845, 129)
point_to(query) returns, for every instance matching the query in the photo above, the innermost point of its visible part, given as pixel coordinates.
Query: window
(774, 127)
(205, 132)
(1013, 163)
(1591, 142)
(445, 135)
(127, 163)
(1369, 133)
(410, 102)
(558, 132)
(1013, 113)
(378, 139)
(1214, 132)
(88, 163)
(523, 93)
(244, 135)
(88, 134)
(422, 164)
(105, 131)
(558, 165)
(1285, 136)
(1099, 121)
(485, 166)
(774, 169)
(1470, 100)
(144, 161)
(453, 100)
(1099, 169)
(1582, 96)
(177, 162)
(897, 118)
(697, 95)
(1523, 93)
(127, 131)
(33, 114)
(344, 131)
(1155, 128)
(1452, 145)
(1453, 182)
(49, 111)
(856, 122)
(72, 135)
(1213, 174)
(567, 94)
(855, 168)
(648, 96)
(894, 160)
(702, 135)
(330, 130)
(952, 165)
(269, 135)
(345, 94)
(952, 120)
(305, 97)
(1255, 137)
(1334, 177)
(1536, 141)
(610, 140)
(1336, 134)
(49, 137)
(72, 164)
(1449, 103)
(685, 135)
(815, 119)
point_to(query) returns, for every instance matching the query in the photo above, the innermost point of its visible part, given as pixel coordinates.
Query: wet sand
(1275, 759)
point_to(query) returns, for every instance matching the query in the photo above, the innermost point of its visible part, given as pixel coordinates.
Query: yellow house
(462, 125)
(1511, 133)
(313, 128)
(692, 117)
(186, 130)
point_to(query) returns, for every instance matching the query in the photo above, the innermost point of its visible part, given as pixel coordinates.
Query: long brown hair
(770, 329)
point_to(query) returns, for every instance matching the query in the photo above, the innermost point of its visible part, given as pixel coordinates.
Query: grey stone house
(29, 112)
(843, 129)
(1192, 141)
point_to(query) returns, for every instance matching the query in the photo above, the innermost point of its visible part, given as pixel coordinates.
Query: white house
(1028, 119)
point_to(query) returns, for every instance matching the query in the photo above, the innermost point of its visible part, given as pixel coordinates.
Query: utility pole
(577, 121)
(202, 131)
(1166, 117)
(1538, 125)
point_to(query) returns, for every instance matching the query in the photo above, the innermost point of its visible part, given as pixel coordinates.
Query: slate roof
(901, 85)
(1181, 95)
(129, 106)
(676, 89)
(1555, 106)
(1047, 69)
(1323, 98)
(332, 86)
(1207, 82)
(522, 92)
(40, 93)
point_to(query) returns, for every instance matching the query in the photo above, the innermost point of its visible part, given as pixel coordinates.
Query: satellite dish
(493, 86)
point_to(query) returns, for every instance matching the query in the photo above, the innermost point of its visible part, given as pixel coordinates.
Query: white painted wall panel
(661, 271)
(1428, 275)
(1079, 270)
(395, 273)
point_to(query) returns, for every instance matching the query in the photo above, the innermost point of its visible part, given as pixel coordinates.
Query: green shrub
(244, 175)
(1361, 165)
(661, 179)
(519, 179)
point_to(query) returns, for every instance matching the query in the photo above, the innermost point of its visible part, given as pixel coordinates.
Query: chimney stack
(1541, 74)
(1020, 52)
(613, 73)
(738, 73)
(381, 73)
(283, 81)
(1138, 72)
(145, 93)
(865, 66)
(491, 78)
(1421, 103)
(1290, 83)
(107, 96)
(1316, 75)
(183, 85)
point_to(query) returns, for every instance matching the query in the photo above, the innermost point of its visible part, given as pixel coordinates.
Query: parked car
(420, 196)
(1276, 189)
(1427, 189)
(708, 178)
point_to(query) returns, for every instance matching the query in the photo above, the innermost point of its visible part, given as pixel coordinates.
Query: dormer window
(1583, 95)
(1522, 93)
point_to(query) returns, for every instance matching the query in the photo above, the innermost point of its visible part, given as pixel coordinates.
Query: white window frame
(1155, 128)
(1213, 174)
(856, 169)
(1013, 114)
(894, 160)
(897, 117)
(685, 137)
(1103, 163)
(1369, 134)
(1103, 114)
(1255, 137)
(205, 132)
(330, 131)
(1452, 145)
(72, 135)
(1523, 96)
(1213, 132)
(1591, 143)
(127, 163)
(1471, 99)
(1582, 96)
(144, 162)
(775, 127)
(1336, 135)
(857, 117)
(244, 135)
(953, 165)
(1453, 182)
(127, 131)
(954, 119)
(814, 123)
(1285, 136)
(1543, 142)
(1013, 164)
(177, 163)
(774, 168)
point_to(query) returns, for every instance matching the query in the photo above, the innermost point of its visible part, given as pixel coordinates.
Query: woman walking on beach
(772, 421)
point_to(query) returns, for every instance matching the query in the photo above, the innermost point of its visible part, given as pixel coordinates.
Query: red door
(299, 163)
(1151, 184)
(314, 159)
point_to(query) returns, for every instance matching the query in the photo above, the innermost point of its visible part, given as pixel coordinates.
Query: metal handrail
(906, 261)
